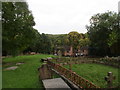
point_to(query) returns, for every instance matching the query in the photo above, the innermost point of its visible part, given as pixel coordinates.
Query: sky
(64, 16)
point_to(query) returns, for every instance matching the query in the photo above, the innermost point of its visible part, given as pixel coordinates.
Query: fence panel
(72, 76)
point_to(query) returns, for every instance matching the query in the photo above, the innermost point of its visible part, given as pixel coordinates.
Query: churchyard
(76, 55)
(102, 72)
(26, 75)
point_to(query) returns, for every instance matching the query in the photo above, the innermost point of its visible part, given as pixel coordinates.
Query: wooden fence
(72, 76)
(112, 62)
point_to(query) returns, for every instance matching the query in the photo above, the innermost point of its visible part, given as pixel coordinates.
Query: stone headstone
(49, 58)
(45, 72)
(109, 78)
(59, 53)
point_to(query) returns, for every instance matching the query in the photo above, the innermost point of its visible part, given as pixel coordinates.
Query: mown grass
(96, 73)
(26, 75)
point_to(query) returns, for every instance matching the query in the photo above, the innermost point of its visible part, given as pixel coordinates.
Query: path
(58, 83)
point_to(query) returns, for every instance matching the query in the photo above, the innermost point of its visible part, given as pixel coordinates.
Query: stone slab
(19, 63)
(58, 83)
(11, 68)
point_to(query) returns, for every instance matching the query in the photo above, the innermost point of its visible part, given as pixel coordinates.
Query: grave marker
(109, 78)
(59, 55)
(45, 72)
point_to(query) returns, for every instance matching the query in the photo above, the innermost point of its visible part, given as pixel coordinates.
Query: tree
(74, 38)
(36, 43)
(84, 42)
(17, 26)
(45, 44)
(103, 31)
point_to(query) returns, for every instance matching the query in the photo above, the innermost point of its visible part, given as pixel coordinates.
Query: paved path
(54, 84)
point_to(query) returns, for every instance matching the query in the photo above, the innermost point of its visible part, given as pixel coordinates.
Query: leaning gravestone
(45, 72)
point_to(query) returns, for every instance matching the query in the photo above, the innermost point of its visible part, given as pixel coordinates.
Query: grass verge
(26, 75)
(96, 73)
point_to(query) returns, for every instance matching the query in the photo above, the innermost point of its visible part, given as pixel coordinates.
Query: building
(68, 51)
(84, 51)
(64, 50)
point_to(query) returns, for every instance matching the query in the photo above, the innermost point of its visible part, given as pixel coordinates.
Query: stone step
(54, 84)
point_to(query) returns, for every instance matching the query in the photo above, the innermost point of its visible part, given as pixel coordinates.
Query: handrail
(76, 79)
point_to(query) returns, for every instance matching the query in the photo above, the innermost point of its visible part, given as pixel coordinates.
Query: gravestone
(59, 55)
(44, 60)
(45, 72)
(49, 58)
(109, 78)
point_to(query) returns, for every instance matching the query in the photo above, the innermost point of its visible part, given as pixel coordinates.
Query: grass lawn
(95, 73)
(26, 75)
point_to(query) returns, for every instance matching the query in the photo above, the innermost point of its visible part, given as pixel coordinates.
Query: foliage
(74, 38)
(84, 42)
(46, 44)
(41, 44)
(57, 40)
(17, 26)
(104, 33)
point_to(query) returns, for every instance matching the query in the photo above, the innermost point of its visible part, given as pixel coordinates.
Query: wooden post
(70, 65)
(70, 68)
(59, 54)
(109, 78)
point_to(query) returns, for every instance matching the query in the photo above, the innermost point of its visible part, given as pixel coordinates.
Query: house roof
(84, 48)
(63, 47)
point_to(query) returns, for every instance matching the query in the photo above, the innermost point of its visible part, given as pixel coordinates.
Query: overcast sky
(63, 16)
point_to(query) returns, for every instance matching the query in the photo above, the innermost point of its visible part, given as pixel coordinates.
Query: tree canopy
(19, 36)
(17, 26)
(104, 33)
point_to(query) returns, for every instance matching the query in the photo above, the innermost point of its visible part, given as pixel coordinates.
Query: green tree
(45, 44)
(84, 42)
(36, 43)
(103, 31)
(74, 38)
(17, 26)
